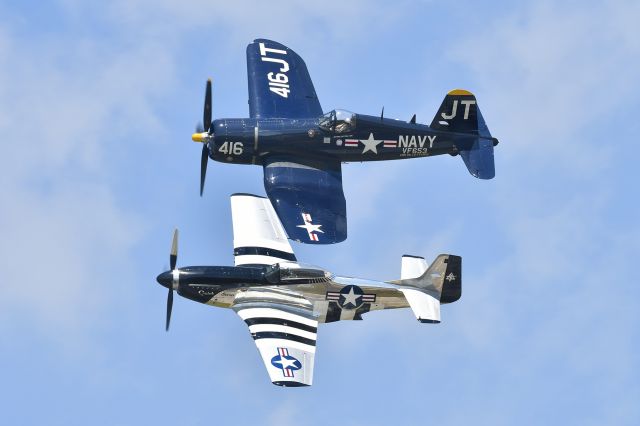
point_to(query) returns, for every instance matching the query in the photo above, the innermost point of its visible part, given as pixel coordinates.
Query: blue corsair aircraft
(301, 149)
(283, 301)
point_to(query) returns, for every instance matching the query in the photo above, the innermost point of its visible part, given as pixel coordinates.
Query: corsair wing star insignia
(283, 301)
(301, 149)
(310, 227)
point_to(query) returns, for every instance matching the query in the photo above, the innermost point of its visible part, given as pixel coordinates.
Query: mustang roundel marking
(287, 363)
(351, 297)
(310, 227)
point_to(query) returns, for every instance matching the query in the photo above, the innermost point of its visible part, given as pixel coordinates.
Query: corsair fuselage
(363, 138)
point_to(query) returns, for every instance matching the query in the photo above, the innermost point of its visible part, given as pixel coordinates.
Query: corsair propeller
(204, 135)
(173, 258)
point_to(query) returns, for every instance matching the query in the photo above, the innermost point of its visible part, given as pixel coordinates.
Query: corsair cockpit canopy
(338, 121)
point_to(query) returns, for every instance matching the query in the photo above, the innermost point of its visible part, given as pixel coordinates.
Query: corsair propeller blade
(204, 159)
(206, 119)
(169, 308)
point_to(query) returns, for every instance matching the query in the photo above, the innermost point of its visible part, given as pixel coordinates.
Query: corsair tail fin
(459, 113)
(439, 283)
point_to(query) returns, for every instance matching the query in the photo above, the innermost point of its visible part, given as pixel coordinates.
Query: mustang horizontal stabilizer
(286, 339)
(258, 237)
(424, 293)
(279, 83)
(459, 113)
(308, 199)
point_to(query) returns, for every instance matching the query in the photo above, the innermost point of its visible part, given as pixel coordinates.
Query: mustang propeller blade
(173, 258)
(204, 135)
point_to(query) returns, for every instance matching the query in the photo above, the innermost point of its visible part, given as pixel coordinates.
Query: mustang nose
(165, 279)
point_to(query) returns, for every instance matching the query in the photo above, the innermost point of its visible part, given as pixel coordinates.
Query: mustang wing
(284, 334)
(279, 83)
(258, 237)
(308, 198)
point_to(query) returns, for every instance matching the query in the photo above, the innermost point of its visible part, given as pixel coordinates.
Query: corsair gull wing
(279, 83)
(308, 198)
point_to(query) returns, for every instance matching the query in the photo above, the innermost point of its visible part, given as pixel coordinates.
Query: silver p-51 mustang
(283, 301)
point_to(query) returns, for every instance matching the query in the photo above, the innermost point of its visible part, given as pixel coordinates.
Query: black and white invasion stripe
(292, 329)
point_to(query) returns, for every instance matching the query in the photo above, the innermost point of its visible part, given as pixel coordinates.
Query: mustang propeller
(204, 135)
(171, 279)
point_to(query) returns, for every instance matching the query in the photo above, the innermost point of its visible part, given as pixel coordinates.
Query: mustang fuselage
(287, 284)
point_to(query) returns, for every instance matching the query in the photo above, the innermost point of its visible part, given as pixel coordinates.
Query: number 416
(232, 148)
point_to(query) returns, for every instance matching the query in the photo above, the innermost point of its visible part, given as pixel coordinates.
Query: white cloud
(64, 106)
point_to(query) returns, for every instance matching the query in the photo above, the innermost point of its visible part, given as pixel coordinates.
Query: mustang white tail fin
(412, 267)
(439, 283)
(258, 236)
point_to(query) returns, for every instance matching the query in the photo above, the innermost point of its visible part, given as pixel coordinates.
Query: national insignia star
(351, 297)
(286, 363)
(370, 144)
(310, 227)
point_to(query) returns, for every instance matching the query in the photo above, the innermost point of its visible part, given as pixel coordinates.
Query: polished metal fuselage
(327, 297)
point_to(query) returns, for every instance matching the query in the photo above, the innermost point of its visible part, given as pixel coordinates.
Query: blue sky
(97, 104)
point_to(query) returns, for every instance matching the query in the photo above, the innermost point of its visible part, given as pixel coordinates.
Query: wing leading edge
(308, 199)
(279, 83)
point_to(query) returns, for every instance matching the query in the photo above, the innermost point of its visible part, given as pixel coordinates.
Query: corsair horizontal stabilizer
(459, 113)
(258, 236)
(479, 159)
(424, 293)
